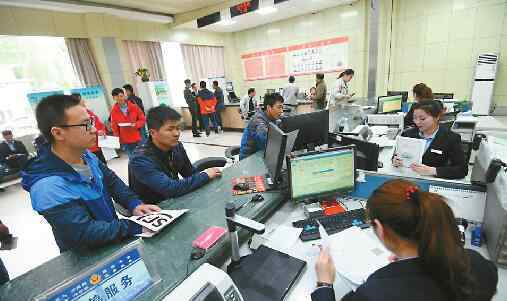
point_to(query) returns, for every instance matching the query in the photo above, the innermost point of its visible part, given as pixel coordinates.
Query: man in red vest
(126, 121)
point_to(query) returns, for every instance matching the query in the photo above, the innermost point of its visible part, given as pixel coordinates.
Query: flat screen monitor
(443, 95)
(389, 104)
(322, 173)
(366, 152)
(313, 128)
(404, 94)
(275, 151)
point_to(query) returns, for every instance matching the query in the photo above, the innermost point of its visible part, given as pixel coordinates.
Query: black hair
(202, 84)
(346, 72)
(215, 83)
(128, 87)
(270, 99)
(292, 79)
(193, 84)
(50, 112)
(117, 91)
(187, 82)
(251, 90)
(76, 95)
(431, 107)
(157, 116)
(319, 75)
(6, 132)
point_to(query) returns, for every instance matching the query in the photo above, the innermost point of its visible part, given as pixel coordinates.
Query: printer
(207, 283)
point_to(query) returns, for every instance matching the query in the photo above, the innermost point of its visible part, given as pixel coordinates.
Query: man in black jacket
(156, 165)
(192, 107)
(12, 152)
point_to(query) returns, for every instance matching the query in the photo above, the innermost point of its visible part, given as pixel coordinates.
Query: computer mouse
(240, 187)
(257, 198)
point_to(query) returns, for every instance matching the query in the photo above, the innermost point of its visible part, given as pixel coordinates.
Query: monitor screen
(322, 173)
(389, 104)
(313, 128)
(275, 151)
(404, 94)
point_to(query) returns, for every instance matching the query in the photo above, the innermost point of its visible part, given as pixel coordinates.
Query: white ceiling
(161, 6)
(285, 10)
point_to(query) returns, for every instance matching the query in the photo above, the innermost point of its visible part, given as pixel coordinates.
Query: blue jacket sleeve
(261, 135)
(148, 173)
(74, 228)
(120, 192)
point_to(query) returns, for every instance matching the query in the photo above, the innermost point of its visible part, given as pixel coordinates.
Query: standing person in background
(195, 92)
(420, 92)
(207, 103)
(248, 104)
(126, 121)
(99, 126)
(290, 93)
(339, 96)
(429, 262)
(192, 107)
(319, 100)
(219, 95)
(138, 101)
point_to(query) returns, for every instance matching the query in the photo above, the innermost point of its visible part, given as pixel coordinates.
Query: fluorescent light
(226, 22)
(267, 10)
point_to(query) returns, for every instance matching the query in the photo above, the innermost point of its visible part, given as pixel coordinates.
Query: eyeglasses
(88, 125)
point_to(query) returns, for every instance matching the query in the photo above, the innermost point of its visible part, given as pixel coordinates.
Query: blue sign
(120, 279)
(91, 93)
(35, 98)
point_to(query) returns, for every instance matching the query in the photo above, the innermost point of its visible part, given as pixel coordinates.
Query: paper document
(158, 220)
(410, 150)
(324, 237)
(109, 153)
(379, 130)
(109, 142)
(464, 203)
(356, 255)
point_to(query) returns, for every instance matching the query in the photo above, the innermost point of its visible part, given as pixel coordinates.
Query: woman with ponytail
(429, 262)
(339, 95)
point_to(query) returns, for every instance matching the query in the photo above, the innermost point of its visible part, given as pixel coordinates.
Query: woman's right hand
(397, 162)
(326, 271)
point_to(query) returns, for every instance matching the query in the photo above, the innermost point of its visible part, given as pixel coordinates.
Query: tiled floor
(36, 243)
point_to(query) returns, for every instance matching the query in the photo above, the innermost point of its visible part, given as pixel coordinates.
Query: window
(28, 65)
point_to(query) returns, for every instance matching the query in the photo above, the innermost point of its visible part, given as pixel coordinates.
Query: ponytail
(425, 218)
(346, 72)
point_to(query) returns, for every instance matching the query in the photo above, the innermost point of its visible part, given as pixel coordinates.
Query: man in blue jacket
(70, 187)
(255, 135)
(155, 167)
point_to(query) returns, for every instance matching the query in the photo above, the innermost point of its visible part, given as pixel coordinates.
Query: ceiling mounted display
(244, 8)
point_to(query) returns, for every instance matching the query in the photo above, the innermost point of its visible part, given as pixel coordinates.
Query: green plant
(144, 74)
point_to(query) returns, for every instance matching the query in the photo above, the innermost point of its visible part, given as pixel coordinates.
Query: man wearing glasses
(156, 165)
(70, 187)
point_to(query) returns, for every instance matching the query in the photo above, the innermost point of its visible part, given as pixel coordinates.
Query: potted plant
(144, 74)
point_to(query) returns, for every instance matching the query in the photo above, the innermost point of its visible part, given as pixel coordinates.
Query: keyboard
(333, 223)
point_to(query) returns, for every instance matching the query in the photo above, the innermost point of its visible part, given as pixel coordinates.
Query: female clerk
(429, 263)
(340, 95)
(444, 156)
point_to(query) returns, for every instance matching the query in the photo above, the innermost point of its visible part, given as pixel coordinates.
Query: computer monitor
(313, 128)
(322, 173)
(443, 95)
(366, 152)
(404, 94)
(389, 104)
(275, 152)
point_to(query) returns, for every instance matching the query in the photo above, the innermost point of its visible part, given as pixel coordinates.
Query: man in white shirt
(290, 93)
(248, 104)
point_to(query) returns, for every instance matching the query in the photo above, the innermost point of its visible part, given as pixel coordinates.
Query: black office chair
(231, 152)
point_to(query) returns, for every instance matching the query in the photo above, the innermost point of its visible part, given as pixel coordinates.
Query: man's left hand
(145, 209)
(424, 170)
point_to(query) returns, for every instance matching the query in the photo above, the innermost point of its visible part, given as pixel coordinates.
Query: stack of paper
(356, 255)
(157, 221)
